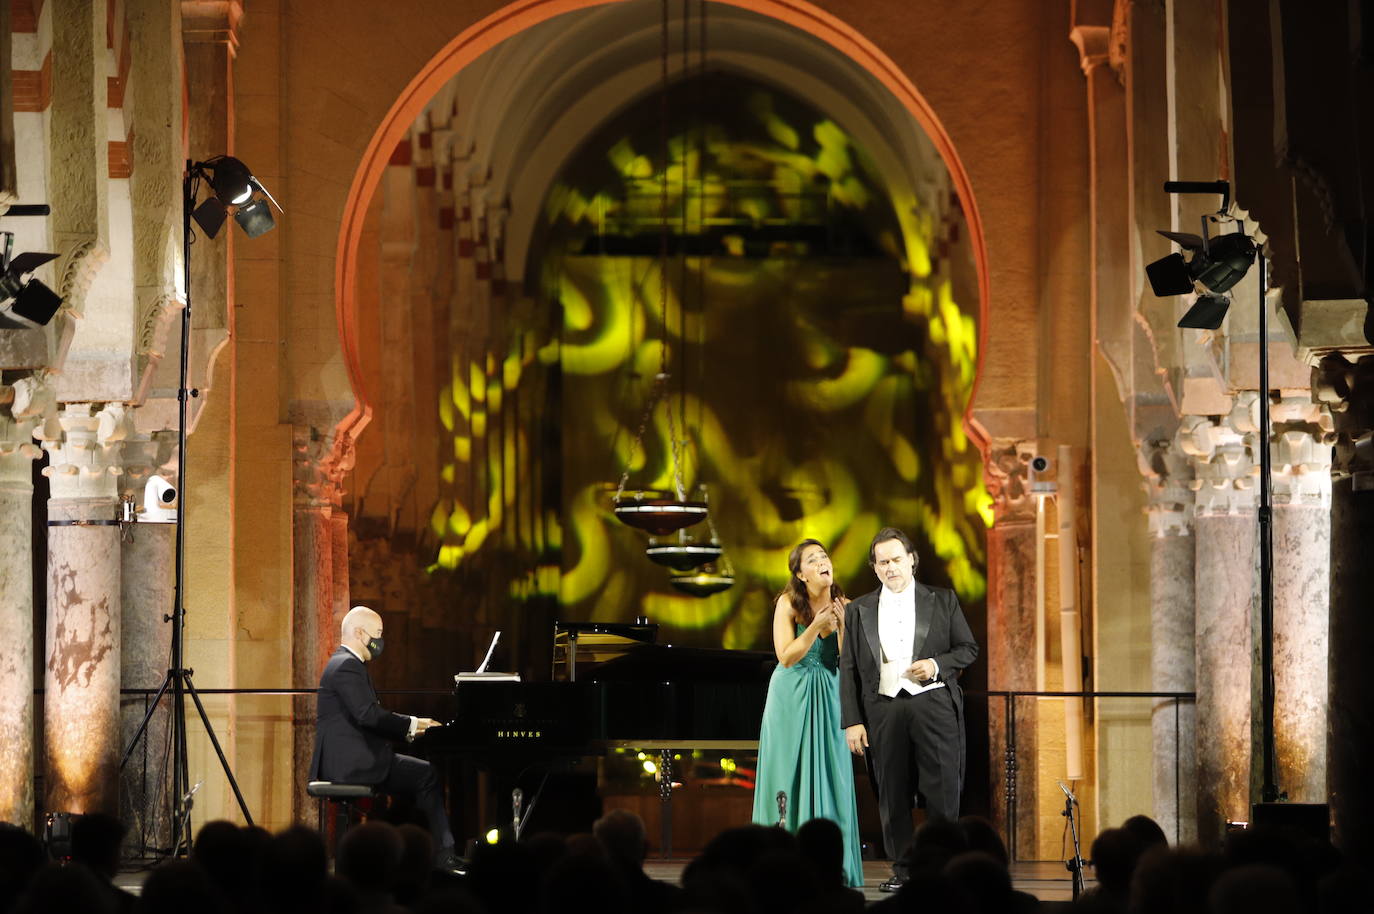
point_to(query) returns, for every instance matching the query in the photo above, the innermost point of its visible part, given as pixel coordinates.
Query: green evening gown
(802, 751)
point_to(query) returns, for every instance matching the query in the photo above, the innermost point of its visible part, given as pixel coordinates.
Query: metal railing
(1009, 698)
(1011, 765)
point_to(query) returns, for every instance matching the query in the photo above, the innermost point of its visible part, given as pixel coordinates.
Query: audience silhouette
(956, 868)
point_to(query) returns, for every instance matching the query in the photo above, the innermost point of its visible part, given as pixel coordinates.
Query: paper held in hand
(481, 674)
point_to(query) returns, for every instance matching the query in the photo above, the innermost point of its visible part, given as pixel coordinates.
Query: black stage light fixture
(1213, 265)
(235, 191)
(1216, 264)
(255, 218)
(25, 303)
(210, 215)
(1207, 312)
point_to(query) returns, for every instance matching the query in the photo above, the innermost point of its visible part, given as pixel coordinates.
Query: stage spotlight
(1213, 265)
(1216, 264)
(1207, 312)
(255, 218)
(235, 191)
(24, 303)
(159, 502)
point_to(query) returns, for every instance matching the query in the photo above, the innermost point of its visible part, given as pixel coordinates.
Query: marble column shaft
(146, 590)
(1302, 595)
(1173, 669)
(1349, 385)
(1011, 656)
(1173, 666)
(311, 634)
(1351, 736)
(16, 633)
(1224, 589)
(32, 410)
(1302, 584)
(81, 720)
(338, 542)
(1225, 661)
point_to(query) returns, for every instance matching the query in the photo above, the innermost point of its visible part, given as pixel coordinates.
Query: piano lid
(667, 663)
(584, 644)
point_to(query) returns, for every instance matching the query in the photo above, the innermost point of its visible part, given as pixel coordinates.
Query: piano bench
(343, 806)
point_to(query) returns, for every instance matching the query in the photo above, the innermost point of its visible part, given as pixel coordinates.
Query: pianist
(353, 733)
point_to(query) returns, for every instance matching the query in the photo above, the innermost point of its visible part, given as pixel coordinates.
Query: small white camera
(1039, 483)
(159, 502)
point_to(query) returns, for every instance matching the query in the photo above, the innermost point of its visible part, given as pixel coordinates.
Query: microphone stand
(1075, 863)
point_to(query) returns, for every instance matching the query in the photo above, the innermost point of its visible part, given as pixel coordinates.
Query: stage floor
(1046, 880)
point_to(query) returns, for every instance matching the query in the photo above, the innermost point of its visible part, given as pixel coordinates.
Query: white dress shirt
(896, 632)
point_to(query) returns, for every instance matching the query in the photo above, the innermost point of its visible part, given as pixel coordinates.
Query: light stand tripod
(1075, 863)
(230, 179)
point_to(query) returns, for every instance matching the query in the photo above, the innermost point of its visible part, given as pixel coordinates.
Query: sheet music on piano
(481, 675)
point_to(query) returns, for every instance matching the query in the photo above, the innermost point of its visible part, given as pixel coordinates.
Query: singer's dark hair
(892, 533)
(795, 591)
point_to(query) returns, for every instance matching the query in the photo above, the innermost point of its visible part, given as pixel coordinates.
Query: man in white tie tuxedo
(900, 700)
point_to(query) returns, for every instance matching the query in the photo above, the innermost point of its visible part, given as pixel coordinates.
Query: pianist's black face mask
(375, 645)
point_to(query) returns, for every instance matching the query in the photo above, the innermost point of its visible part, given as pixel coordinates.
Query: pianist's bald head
(359, 617)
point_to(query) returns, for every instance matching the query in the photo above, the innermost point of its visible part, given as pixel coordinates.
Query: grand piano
(614, 686)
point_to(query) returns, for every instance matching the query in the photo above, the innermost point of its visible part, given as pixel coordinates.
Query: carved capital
(1224, 469)
(1007, 471)
(1168, 484)
(25, 407)
(1300, 460)
(1347, 389)
(85, 461)
(318, 468)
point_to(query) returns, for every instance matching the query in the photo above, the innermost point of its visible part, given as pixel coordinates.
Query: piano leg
(665, 796)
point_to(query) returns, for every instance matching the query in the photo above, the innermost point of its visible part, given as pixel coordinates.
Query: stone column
(1350, 389)
(312, 639)
(1173, 666)
(28, 400)
(1011, 656)
(1224, 580)
(81, 702)
(147, 589)
(338, 545)
(1302, 439)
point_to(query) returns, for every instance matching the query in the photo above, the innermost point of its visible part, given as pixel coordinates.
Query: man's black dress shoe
(893, 883)
(450, 862)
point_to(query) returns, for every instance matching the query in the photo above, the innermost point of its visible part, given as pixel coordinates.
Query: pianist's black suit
(353, 734)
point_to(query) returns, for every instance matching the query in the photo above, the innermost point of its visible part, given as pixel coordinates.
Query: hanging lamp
(704, 568)
(656, 513)
(710, 579)
(683, 555)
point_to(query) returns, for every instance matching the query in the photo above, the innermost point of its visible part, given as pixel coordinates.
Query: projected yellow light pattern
(821, 362)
